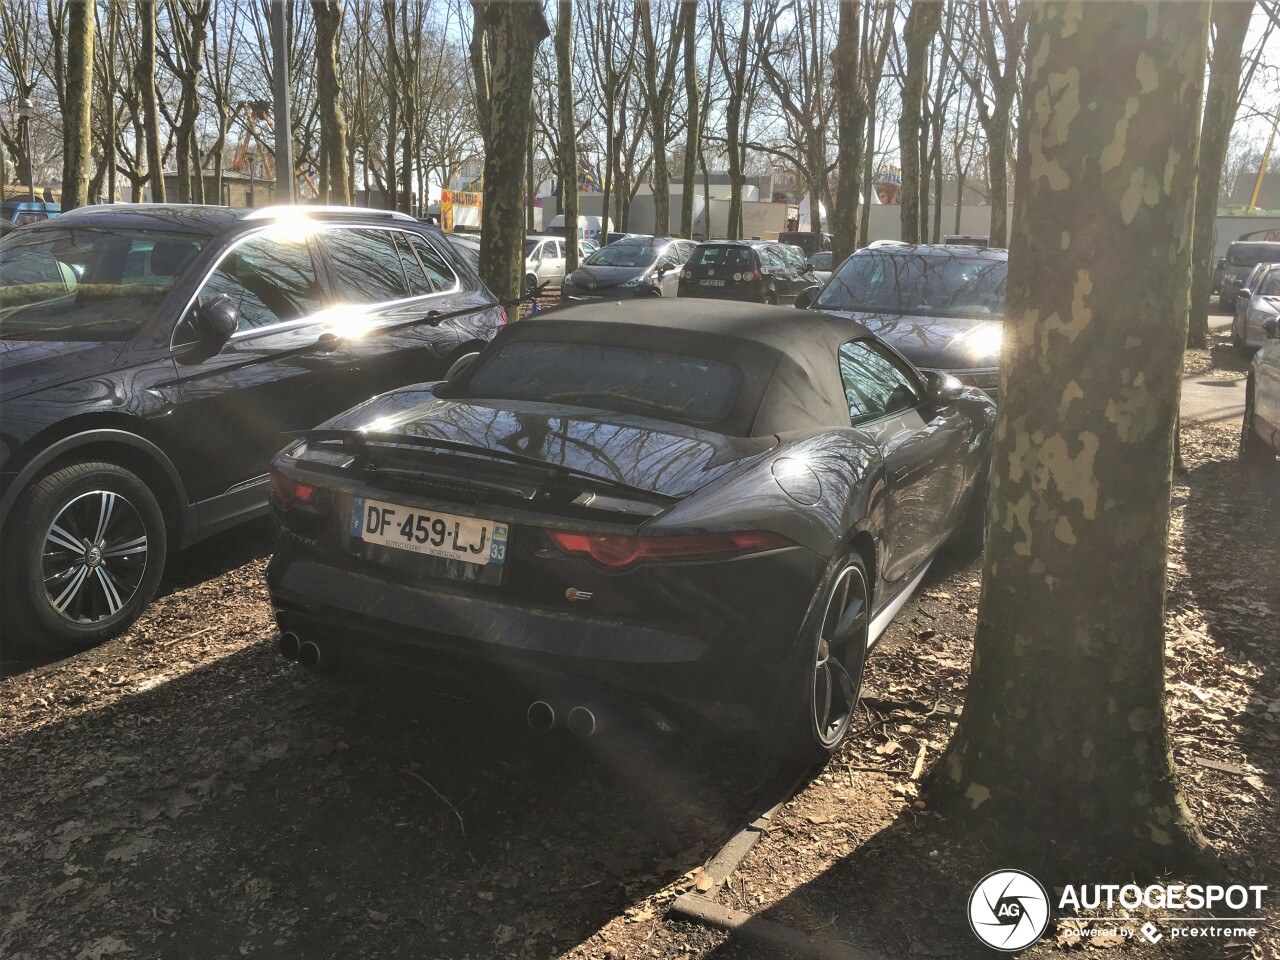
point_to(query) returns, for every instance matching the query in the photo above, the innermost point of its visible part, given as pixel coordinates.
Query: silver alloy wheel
(843, 641)
(93, 557)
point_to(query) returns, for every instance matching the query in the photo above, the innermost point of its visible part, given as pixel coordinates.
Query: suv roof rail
(302, 209)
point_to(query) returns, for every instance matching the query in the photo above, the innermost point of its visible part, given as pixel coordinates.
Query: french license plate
(426, 532)
(712, 283)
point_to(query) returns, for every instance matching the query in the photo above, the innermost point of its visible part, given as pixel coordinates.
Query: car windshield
(623, 255)
(917, 284)
(1241, 255)
(1270, 286)
(609, 377)
(86, 284)
(821, 261)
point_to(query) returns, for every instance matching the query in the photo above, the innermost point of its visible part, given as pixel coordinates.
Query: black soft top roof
(790, 376)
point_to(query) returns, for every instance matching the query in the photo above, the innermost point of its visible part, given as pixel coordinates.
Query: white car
(1260, 435)
(1257, 302)
(544, 263)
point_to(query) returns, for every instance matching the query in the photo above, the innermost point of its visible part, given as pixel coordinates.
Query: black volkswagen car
(759, 271)
(714, 510)
(153, 358)
(939, 305)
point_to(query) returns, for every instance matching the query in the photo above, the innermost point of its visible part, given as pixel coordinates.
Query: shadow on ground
(249, 807)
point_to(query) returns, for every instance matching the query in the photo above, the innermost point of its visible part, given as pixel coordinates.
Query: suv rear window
(1252, 254)
(608, 377)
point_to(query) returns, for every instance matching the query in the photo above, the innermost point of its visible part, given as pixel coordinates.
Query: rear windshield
(935, 285)
(624, 254)
(1250, 255)
(722, 257)
(84, 284)
(608, 377)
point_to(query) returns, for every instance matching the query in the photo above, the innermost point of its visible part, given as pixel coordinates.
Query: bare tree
(505, 37)
(693, 118)
(659, 90)
(851, 108)
(736, 76)
(568, 152)
(77, 122)
(922, 24)
(1230, 23)
(334, 185)
(146, 82)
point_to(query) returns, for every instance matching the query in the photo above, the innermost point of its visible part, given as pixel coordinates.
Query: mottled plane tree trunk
(568, 132)
(851, 111)
(333, 122)
(659, 92)
(77, 126)
(1063, 737)
(922, 23)
(505, 38)
(1230, 24)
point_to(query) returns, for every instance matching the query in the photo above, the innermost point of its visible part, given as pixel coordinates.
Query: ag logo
(1008, 910)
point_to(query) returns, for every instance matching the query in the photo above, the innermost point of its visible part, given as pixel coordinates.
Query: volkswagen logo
(711, 273)
(1008, 910)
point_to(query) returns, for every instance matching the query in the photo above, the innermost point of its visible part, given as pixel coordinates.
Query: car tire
(83, 557)
(531, 286)
(821, 690)
(1254, 453)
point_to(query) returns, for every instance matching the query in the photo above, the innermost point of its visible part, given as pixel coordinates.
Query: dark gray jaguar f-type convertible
(710, 510)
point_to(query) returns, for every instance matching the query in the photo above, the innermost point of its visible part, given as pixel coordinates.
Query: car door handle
(328, 342)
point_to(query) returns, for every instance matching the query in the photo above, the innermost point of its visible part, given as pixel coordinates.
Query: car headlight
(643, 280)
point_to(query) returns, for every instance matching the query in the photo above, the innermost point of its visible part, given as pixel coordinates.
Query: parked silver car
(544, 263)
(1260, 435)
(1257, 302)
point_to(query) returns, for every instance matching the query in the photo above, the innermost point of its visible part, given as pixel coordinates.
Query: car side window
(772, 259)
(439, 273)
(418, 282)
(365, 265)
(271, 281)
(875, 385)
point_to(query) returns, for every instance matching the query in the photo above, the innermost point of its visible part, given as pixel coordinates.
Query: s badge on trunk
(573, 593)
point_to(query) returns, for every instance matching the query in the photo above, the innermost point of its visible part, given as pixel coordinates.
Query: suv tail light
(619, 551)
(288, 493)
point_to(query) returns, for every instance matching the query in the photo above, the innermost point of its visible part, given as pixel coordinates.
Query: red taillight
(502, 316)
(616, 551)
(288, 493)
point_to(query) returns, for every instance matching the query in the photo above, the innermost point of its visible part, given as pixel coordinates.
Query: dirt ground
(184, 792)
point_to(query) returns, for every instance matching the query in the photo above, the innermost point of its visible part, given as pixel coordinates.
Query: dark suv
(153, 359)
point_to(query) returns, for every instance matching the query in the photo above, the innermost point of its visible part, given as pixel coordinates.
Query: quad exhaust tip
(289, 645)
(312, 657)
(540, 716)
(584, 721)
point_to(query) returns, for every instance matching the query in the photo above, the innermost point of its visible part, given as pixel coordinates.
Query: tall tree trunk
(77, 121)
(734, 135)
(334, 184)
(568, 134)
(693, 97)
(922, 23)
(505, 39)
(146, 80)
(851, 112)
(1063, 738)
(997, 167)
(530, 187)
(1230, 24)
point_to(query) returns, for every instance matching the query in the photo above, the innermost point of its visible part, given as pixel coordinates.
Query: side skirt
(890, 610)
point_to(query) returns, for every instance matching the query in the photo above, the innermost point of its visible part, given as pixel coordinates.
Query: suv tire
(83, 556)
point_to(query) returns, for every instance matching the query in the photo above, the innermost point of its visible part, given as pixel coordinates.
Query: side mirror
(944, 389)
(806, 298)
(1272, 328)
(1246, 294)
(215, 321)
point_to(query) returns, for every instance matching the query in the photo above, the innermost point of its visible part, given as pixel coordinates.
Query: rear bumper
(731, 650)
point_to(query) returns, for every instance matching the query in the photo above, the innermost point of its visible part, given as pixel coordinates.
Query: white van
(589, 228)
